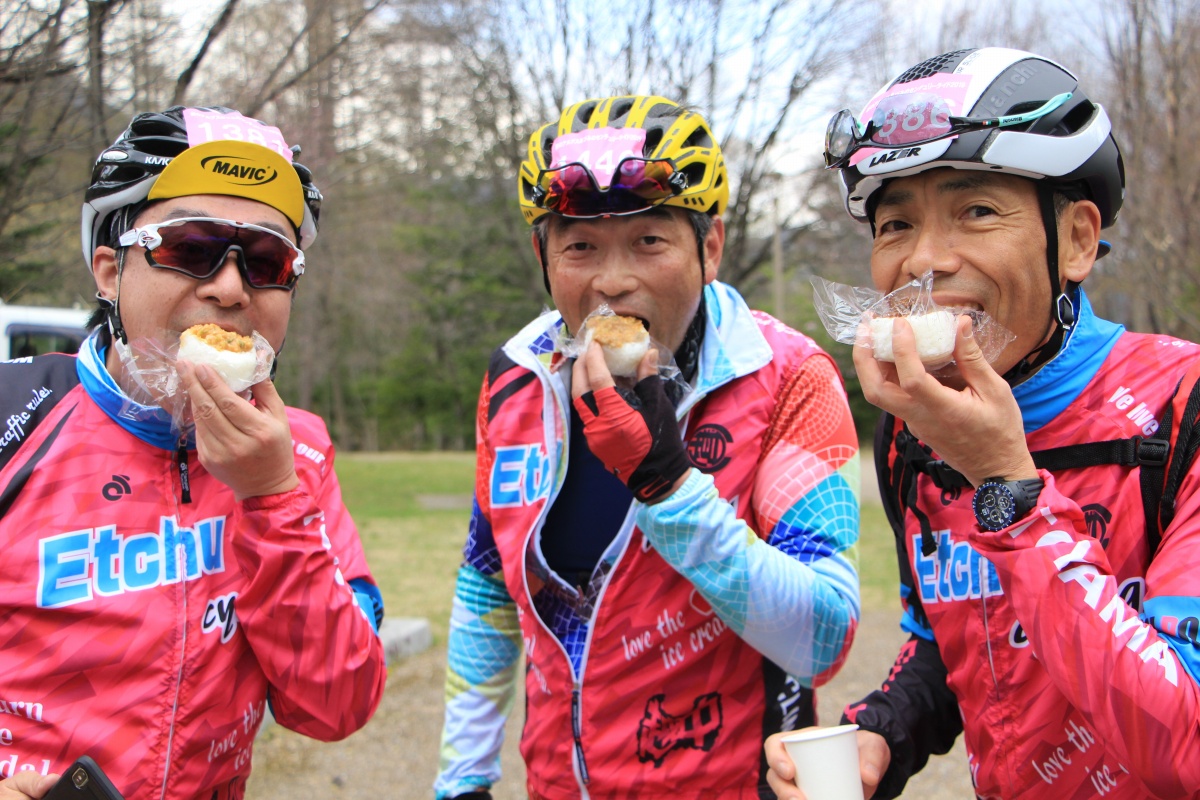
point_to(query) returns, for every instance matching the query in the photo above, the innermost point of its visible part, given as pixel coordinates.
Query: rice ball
(624, 341)
(934, 333)
(230, 354)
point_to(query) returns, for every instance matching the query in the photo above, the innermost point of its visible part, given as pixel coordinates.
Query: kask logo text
(74, 567)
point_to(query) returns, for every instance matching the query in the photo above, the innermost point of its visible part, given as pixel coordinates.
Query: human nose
(226, 286)
(932, 251)
(616, 275)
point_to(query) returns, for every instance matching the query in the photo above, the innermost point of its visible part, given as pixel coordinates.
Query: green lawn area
(412, 511)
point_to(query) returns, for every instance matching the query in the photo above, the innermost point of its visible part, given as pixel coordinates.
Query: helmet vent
(695, 174)
(584, 115)
(931, 66)
(1076, 119)
(699, 138)
(620, 110)
(654, 137)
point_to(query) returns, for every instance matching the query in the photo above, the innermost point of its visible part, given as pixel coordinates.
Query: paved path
(395, 756)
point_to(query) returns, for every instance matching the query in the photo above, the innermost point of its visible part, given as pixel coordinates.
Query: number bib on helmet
(207, 126)
(915, 110)
(600, 150)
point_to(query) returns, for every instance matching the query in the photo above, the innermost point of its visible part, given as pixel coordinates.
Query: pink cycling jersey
(152, 633)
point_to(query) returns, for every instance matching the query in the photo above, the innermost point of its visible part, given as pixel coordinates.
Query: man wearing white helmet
(172, 560)
(1046, 516)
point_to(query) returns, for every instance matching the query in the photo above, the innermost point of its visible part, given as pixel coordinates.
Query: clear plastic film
(622, 359)
(860, 316)
(152, 364)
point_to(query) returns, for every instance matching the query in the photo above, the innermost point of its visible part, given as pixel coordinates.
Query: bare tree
(1152, 48)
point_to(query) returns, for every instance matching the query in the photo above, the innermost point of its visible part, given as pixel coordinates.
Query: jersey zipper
(181, 461)
(577, 731)
(185, 497)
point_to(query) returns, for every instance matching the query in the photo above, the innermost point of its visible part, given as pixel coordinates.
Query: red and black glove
(638, 441)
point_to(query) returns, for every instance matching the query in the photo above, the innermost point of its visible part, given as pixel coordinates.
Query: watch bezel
(1020, 501)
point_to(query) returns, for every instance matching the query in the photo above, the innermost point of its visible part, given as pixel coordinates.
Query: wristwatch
(999, 503)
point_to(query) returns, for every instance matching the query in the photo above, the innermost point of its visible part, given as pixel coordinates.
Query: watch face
(995, 506)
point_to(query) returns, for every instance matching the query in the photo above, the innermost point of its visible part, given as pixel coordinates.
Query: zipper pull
(185, 484)
(577, 730)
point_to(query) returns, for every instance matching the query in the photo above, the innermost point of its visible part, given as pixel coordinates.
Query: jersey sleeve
(1133, 676)
(301, 610)
(804, 606)
(483, 651)
(914, 710)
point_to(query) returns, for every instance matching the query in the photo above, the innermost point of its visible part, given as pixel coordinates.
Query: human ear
(104, 270)
(714, 248)
(1079, 240)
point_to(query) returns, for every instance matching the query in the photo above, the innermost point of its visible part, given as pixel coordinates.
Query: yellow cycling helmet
(622, 155)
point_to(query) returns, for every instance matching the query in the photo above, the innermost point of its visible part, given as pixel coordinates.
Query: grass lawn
(412, 511)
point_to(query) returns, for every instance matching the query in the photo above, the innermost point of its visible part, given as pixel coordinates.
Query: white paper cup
(826, 762)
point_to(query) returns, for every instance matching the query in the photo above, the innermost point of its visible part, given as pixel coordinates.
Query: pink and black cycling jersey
(149, 629)
(1063, 649)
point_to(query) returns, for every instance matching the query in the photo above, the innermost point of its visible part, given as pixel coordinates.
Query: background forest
(414, 114)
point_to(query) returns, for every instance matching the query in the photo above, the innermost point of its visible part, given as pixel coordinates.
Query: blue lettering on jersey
(520, 475)
(73, 567)
(955, 572)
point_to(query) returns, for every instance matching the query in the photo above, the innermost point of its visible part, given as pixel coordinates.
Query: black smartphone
(83, 780)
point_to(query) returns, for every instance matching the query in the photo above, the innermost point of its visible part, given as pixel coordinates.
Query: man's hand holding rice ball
(248, 447)
(639, 444)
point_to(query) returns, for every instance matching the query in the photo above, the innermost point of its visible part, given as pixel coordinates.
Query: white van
(34, 330)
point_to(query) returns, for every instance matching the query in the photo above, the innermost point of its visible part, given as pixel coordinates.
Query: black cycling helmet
(126, 172)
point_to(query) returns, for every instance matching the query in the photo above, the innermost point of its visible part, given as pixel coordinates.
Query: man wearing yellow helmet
(675, 555)
(171, 558)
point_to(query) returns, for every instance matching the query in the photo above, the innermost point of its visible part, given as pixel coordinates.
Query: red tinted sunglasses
(198, 246)
(637, 184)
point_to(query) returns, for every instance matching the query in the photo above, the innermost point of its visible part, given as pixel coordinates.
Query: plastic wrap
(860, 316)
(576, 346)
(151, 363)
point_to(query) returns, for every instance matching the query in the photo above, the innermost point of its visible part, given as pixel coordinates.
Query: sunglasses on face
(905, 120)
(637, 184)
(198, 246)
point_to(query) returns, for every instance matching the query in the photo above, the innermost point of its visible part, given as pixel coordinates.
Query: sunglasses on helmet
(905, 120)
(198, 246)
(637, 184)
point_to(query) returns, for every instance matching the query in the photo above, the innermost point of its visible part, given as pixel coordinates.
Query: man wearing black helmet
(176, 547)
(1047, 589)
(675, 559)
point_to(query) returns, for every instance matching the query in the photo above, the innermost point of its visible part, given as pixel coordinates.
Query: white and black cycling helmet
(126, 173)
(937, 114)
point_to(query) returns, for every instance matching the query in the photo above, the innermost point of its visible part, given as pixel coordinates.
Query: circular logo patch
(708, 447)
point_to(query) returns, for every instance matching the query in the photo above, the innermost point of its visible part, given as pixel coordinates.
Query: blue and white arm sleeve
(483, 654)
(798, 610)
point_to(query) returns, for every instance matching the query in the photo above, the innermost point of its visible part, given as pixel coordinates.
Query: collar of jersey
(1056, 385)
(151, 424)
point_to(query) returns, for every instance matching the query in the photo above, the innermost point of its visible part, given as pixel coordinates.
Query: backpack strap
(1164, 460)
(1184, 441)
(897, 490)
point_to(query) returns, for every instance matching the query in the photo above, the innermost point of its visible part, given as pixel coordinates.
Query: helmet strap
(112, 308)
(1062, 312)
